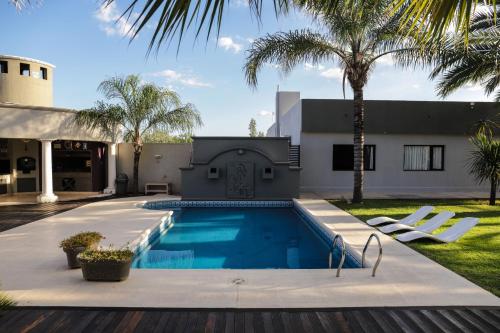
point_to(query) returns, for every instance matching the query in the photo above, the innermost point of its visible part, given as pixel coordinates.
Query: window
(423, 158)
(24, 69)
(43, 70)
(343, 158)
(4, 67)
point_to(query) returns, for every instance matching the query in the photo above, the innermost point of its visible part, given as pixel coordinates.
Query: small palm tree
(140, 108)
(484, 162)
(477, 62)
(358, 33)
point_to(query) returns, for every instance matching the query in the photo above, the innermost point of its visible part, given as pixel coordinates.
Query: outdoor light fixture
(241, 151)
(158, 158)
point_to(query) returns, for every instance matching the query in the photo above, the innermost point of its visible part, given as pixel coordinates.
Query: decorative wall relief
(240, 180)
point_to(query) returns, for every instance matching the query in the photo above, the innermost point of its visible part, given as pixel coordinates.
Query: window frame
(44, 72)
(431, 160)
(21, 64)
(6, 63)
(364, 161)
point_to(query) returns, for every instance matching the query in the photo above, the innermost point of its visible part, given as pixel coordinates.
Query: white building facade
(412, 148)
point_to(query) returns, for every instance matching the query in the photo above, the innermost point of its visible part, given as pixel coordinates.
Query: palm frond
(287, 49)
(484, 162)
(175, 17)
(434, 17)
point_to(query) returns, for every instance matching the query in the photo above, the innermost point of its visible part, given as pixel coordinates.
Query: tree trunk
(137, 157)
(359, 143)
(493, 192)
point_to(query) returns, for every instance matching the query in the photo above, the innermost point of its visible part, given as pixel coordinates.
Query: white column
(111, 169)
(47, 187)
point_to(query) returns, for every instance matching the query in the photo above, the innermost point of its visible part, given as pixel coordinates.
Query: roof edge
(6, 56)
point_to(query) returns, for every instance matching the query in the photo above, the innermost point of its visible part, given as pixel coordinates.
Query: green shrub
(5, 302)
(117, 255)
(82, 239)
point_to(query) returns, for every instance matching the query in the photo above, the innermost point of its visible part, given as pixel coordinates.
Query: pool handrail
(342, 258)
(379, 257)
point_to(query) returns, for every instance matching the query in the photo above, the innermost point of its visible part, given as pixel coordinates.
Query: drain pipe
(278, 130)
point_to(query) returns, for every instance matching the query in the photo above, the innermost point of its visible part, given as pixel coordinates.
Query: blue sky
(87, 45)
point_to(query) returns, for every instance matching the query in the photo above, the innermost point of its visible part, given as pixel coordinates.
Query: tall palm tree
(358, 33)
(139, 109)
(477, 62)
(484, 162)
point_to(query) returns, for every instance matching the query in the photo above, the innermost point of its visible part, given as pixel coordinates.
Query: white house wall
(18, 122)
(291, 123)
(317, 174)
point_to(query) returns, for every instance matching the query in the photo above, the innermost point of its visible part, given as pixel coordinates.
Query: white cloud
(111, 22)
(386, 60)
(333, 73)
(415, 86)
(228, 44)
(239, 3)
(265, 113)
(309, 67)
(473, 87)
(184, 79)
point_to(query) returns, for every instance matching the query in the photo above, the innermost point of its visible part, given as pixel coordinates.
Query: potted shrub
(106, 264)
(78, 243)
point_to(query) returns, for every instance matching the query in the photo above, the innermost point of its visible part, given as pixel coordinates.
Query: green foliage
(475, 256)
(162, 137)
(484, 162)
(252, 128)
(476, 61)
(107, 255)
(82, 239)
(139, 109)
(6, 302)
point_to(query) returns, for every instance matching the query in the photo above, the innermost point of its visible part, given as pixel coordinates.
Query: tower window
(24, 69)
(43, 70)
(4, 67)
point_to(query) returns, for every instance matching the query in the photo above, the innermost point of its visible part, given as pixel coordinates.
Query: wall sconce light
(241, 152)
(158, 158)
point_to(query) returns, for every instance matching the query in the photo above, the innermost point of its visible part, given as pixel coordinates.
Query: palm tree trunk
(359, 142)
(137, 157)
(493, 191)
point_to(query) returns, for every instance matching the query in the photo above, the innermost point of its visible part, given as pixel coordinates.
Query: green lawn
(475, 256)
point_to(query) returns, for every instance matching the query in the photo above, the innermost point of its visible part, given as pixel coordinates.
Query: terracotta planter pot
(105, 270)
(71, 255)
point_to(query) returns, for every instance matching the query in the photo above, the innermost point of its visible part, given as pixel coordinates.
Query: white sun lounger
(411, 219)
(427, 227)
(449, 235)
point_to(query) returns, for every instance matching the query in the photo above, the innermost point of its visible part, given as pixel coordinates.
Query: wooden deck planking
(76, 320)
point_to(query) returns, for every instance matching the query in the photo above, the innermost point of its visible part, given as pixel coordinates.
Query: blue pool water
(259, 238)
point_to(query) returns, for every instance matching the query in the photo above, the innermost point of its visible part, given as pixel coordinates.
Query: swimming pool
(225, 236)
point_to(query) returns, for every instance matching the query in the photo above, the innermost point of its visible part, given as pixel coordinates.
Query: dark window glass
(423, 158)
(343, 157)
(24, 69)
(4, 67)
(43, 70)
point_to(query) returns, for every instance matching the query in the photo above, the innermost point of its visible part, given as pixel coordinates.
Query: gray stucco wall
(255, 153)
(165, 169)
(389, 177)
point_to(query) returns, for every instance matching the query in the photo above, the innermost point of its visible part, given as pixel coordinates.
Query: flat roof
(397, 117)
(6, 56)
(34, 107)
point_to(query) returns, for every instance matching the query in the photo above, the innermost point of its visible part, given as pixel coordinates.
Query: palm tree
(358, 33)
(484, 162)
(478, 62)
(139, 109)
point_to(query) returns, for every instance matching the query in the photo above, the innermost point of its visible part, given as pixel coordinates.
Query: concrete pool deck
(33, 270)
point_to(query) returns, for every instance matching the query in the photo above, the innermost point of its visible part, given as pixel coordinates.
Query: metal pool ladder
(379, 258)
(342, 258)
